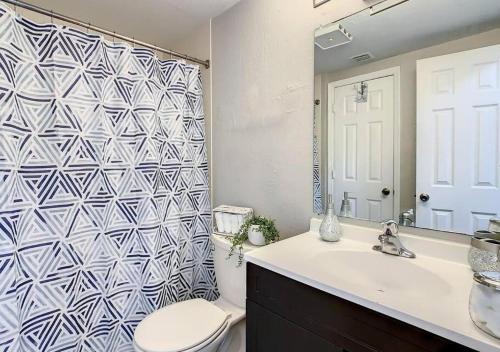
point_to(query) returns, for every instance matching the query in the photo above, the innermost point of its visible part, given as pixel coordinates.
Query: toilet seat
(181, 327)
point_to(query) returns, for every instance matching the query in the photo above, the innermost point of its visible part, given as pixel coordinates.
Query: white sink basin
(380, 272)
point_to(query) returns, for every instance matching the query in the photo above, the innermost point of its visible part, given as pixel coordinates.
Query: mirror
(407, 114)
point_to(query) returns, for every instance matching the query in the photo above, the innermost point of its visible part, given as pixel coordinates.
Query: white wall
(262, 88)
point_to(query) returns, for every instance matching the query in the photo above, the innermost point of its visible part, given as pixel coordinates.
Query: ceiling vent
(362, 57)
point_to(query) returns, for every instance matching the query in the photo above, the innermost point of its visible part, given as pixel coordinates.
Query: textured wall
(262, 88)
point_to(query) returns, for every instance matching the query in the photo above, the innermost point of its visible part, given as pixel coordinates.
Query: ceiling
(161, 22)
(410, 26)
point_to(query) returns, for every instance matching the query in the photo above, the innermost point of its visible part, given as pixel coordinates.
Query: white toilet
(198, 325)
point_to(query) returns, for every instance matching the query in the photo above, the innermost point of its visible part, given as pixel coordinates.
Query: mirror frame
(317, 3)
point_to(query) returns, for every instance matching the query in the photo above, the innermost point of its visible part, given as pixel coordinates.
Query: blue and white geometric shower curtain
(104, 202)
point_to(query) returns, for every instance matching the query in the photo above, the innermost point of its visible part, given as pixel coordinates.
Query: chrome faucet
(390, 242)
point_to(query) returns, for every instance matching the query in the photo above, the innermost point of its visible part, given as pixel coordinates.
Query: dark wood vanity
(286, 315)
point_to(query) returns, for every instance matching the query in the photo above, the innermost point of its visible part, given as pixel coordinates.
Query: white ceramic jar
(484, 302)
(255, 236)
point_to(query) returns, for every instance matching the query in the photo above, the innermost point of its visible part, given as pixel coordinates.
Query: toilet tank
(231, 278)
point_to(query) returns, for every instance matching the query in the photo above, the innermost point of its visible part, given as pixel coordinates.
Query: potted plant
(258, 230)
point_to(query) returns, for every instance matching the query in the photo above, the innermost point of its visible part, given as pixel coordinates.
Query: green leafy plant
(266, 226)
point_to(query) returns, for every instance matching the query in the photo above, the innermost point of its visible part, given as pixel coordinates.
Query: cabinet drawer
(331, 317)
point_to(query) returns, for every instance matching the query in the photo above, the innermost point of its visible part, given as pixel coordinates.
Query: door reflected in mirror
(407, 114)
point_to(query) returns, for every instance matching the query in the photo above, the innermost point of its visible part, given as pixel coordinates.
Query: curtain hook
(133, 42)
(171, 56)
(52, 16)
(88, 28)
(114, 34)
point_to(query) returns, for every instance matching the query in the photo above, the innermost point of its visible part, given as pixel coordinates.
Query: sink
(379, 272)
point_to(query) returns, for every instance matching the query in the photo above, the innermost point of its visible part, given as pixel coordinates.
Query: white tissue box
(228, 219)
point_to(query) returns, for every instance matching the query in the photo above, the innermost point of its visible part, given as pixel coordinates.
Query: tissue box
(228, 219)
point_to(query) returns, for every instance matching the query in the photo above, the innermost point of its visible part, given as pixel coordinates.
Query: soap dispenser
(346, 209)
(330, 229)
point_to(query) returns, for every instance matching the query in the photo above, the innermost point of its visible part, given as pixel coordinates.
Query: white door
(458, 149)
(363, 149)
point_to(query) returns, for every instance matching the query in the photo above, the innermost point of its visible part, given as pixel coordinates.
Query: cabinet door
(268, 332)
(315, 315)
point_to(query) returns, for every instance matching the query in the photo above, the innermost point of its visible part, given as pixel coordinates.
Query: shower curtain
(104, 202)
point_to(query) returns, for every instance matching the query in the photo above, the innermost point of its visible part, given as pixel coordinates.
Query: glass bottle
(330, 229)
(346, 209)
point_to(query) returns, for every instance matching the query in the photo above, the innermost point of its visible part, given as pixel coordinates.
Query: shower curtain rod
(91, 27)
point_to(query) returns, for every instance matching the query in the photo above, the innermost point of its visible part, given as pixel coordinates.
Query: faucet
(390, 242)
(407, 218)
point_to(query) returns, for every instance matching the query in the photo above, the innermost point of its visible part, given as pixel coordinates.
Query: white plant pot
(255, 236)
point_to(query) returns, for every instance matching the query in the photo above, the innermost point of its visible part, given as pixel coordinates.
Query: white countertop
(429, 292)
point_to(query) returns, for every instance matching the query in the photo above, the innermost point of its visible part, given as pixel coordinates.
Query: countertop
(437, 302)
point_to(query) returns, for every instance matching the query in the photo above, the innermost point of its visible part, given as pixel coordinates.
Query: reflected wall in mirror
(407, 114)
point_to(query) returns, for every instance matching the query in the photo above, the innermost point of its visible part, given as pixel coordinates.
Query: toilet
(198, 325)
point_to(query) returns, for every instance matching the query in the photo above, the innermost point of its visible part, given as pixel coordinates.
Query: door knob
(424, 197)
(386, 191)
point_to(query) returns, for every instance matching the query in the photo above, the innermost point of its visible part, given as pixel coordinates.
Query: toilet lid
(179, 326)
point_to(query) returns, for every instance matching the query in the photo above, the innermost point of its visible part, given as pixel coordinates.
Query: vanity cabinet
(286, 315)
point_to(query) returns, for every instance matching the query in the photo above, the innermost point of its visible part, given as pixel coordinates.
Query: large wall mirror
(407, 114)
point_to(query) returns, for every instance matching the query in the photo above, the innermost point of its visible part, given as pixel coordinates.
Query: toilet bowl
(198, 325)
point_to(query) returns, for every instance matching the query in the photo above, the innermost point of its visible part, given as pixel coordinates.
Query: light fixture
(385, 5)
(331, 35)
(316, 3)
